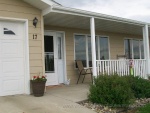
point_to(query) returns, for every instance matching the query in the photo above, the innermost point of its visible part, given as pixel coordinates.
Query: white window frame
(139, 39)
(87, 54)
(102, 36)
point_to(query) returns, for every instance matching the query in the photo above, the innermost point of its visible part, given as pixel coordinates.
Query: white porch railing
(121, 67)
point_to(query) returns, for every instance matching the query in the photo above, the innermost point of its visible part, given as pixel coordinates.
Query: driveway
(55, 100)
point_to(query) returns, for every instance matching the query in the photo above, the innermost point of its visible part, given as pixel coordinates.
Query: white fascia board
(48, 2)
(51, 2)
(73, 11)
(47, 11)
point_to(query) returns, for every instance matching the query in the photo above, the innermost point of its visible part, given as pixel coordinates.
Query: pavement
(56, 100)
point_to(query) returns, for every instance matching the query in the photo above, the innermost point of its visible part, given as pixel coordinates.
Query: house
(61, 36)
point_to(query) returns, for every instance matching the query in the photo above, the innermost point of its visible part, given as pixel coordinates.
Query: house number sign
(34, 36)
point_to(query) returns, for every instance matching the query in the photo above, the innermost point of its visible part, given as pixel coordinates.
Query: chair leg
(83, 79)
(78, 79)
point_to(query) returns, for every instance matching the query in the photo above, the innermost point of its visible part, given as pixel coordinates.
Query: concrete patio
(56, 100)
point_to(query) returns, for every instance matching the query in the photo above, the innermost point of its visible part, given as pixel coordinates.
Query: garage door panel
(1, 85)
(12, 60)
(11, 48)
(0, 47)
(12, 67)
(12, 86)
(0, 69)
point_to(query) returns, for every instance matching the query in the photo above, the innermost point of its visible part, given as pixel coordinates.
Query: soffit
(75, 21)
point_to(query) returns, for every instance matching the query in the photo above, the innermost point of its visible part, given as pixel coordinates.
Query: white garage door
(11, 58)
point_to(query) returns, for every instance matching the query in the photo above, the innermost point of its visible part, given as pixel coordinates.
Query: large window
(80, 48)
(83, 49)
(102, 48)
(134, 48)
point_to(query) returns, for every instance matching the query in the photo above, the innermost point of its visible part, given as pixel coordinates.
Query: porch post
(146, 49)
(92, 27)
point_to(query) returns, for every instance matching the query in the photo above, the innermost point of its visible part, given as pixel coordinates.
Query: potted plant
(38, 85)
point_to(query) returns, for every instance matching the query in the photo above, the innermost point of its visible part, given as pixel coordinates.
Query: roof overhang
(42, 4)
(72, 11)
(57, 15)
(74, 18)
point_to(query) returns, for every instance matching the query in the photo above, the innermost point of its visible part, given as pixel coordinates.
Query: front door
(54, 58)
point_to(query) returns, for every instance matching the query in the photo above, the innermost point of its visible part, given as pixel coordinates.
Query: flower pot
(38, 88)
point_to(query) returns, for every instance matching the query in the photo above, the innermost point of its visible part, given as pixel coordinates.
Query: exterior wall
(116, 46)
(21, 10)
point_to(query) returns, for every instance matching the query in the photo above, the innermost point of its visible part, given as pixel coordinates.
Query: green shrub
(111, 90)
(144, 109)
(139, 86)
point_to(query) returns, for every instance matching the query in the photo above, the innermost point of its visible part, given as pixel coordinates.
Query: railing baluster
(103, 67)
(115, 66)
(141, 69)
(121, 67)
(134, 67)
(110, 67)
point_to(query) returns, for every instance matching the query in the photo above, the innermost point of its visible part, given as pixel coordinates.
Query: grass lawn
(144, 109)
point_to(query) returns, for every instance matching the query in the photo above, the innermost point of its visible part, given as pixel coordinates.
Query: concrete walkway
(55, 100)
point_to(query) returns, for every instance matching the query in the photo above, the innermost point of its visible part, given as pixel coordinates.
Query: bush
(139, 86)
(144, 109)
(111, 90)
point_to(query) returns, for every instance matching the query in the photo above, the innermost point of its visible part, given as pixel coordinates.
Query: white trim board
(64, 46)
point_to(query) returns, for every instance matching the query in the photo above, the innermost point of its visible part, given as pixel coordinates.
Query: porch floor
(56, 100)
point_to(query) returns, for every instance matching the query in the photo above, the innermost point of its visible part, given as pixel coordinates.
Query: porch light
(35, 21)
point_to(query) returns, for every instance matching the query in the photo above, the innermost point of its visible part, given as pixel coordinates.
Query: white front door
(12, 67)
(54, 58)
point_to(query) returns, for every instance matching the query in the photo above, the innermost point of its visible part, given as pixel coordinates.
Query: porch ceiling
(82, 22)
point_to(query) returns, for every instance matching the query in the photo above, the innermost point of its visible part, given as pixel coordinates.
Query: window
(49, 54)
(83, 49)
(8, 32)
(142, 49)
(89, 52)
(102, 48)
(59, 48)
(134, 48)
(80, 48)
(128, 48)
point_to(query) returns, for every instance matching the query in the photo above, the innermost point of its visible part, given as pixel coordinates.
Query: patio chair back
(83, 71)
(80, 67)
(121, 57)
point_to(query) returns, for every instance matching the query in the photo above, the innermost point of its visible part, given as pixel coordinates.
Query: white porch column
(146, 48)
(92, 23)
